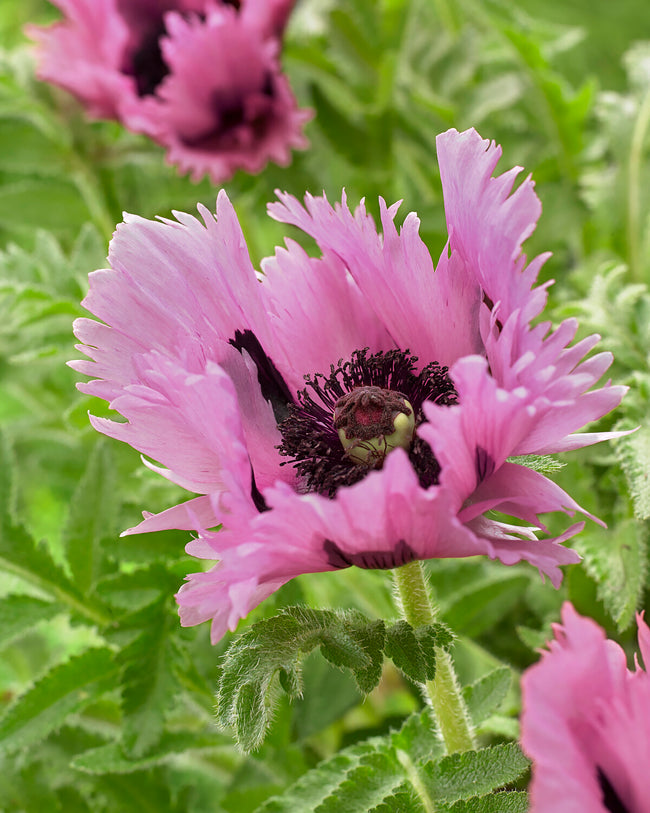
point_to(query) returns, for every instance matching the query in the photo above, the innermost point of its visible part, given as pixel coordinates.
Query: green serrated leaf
(341, 649)
(402, 800)
(502, 802)
(377, 777)
(413, 650)
(275, 645)
(20, 555)
(485, 695)
(251, 713)
(633, 452)
(544, 463)
(617, 559)
(149, 682)
(91, 517)
(403, 648)
(111, 759)
(366, 776)
(308, 791)
(63, 690)
(371, 637)
(19, 614)
(418, 737)
(138, 588)
(472, 773)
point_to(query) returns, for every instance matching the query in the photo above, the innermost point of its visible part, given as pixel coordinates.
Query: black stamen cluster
(308, 434)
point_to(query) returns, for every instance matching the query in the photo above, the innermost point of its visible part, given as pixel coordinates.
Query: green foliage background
(106, 704)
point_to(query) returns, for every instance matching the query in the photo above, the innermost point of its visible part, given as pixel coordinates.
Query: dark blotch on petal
(273, 386)
(370, 559)
(258, 499)
(611, 799)
(485, 464)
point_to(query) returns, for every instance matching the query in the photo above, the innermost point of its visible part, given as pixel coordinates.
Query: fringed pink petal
(306, 297)
(420, 309)
(488, 222)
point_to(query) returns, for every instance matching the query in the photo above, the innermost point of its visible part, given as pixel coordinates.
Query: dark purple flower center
(310, 436)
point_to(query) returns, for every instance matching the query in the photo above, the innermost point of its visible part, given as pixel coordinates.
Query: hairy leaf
(501, 802)
(485, 695)
(459, 776)
(20, 555)
(634, 453)
(617, 559)
(413, 649)
(404, 772)
(272, 649)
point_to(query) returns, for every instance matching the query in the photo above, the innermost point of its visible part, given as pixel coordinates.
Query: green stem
(443, 691)
(634, 185)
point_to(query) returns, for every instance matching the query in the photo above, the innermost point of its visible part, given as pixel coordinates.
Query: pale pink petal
(549, 434)
(305, 297)
(193, 515)
(513, 543)
(172, 417)
(520, 492)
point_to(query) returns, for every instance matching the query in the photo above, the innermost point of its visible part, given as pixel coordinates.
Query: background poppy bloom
(201, 78)
(586, 722)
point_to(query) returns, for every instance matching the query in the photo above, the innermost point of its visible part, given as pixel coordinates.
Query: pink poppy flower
(586, 722)
(278, 396)
(200, 77)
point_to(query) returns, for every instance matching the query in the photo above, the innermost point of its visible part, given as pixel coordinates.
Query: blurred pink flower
(231, 380)
(586, 722)
(200, 77)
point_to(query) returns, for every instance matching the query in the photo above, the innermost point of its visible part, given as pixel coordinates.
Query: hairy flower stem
(443, 691)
